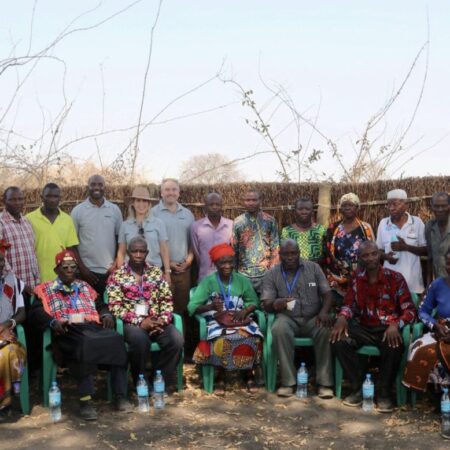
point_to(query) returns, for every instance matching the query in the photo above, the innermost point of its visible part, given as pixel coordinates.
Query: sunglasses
(69, 266)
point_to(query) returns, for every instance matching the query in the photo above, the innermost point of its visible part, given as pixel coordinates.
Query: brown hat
(141, 192)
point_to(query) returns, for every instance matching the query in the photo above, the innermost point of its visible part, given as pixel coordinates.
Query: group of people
(343, 286)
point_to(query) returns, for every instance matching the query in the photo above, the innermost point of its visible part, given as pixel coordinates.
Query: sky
(339, 61)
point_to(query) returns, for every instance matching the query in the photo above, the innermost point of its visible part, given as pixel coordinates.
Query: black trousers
(34, 338)
(171, 343)
(390, 357)
(118, 382)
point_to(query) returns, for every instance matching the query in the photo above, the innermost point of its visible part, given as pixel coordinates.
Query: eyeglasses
(69, 266)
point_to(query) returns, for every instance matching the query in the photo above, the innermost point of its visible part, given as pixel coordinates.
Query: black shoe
(354, 399)
(385, 405)
(122, 404)
(87, 410)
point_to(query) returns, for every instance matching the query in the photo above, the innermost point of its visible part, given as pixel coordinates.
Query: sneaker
(354, 399)
(122, 404)
(285, 391)
(385, 405)
(325, 392)
(87, 410)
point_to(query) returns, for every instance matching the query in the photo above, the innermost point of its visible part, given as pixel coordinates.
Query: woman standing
(153, 230)
(12, 354)
(342, 242)
(308, 234)
(226, 298)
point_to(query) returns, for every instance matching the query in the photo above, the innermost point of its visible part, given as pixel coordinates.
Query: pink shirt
(203, 237)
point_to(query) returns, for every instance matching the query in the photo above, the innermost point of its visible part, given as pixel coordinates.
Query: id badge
(76, 318)
(141, 309)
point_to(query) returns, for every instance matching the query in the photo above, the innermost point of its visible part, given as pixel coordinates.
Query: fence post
(324, 204)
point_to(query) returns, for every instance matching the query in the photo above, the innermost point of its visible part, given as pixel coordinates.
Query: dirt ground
(195, 420)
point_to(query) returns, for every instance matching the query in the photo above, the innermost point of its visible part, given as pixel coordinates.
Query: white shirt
(408, 264)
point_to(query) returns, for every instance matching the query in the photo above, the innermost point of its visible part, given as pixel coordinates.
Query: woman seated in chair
(226, 299)
(83, 334)
(12, 354)
(429, 360)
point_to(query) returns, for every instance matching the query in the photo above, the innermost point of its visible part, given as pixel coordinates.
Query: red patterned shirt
(383, 303)
(21, 257)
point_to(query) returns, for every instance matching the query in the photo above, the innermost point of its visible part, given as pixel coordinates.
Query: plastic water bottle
(302, 381)
(142, 393)
(394, 238)
(54, 402)
(368, 391)
(158, 391)
(445, 414)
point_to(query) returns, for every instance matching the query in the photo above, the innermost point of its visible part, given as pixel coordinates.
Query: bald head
(96, 188)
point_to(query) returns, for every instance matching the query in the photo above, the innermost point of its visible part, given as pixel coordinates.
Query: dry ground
(239, 420)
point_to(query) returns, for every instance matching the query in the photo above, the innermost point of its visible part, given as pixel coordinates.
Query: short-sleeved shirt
(49, 238)
(178, 226)
(97, 228)
(437, 246)
(310, 242)
(154, 233)
(308, 290)
(203, 237)
(408, 264)
(21, 257)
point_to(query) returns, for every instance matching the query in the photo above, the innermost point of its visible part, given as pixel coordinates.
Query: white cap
(399, 194)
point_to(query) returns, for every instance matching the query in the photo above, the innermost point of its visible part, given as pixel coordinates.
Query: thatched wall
(279, 197)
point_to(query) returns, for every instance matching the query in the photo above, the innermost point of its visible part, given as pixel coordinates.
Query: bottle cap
(445, 390)
(158, 372)
(54, 383)
(369, 376)
(302, 364)
(141, 375)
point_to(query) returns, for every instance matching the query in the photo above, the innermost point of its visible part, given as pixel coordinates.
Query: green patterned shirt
(309, 242)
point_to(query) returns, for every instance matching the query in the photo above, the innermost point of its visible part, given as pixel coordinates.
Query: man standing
(298, 292)
(437, 235)
(178, 221)
(376, 307)
(213, 229)
(16, 230)
(53, 230)
(402, 239)
(97, 222)
(255, 240)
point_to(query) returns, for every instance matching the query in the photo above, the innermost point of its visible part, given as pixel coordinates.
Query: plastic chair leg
(180, 373)
(25, 392)
(338, 375)
(208, 378)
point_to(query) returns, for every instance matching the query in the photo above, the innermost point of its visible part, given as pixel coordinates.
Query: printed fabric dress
(341, 253)
(233, 348)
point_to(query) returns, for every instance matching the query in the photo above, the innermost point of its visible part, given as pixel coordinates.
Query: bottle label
(142, 391)
(445, 406)
(54, 399)
(368, 390)
(158, 386)
(302, 378)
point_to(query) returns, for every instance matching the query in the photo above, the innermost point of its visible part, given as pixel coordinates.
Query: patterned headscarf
(350, 197)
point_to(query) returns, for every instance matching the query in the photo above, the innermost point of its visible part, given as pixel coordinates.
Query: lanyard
(227, 296)
(290, 286)
(74, 299)
(141, 291)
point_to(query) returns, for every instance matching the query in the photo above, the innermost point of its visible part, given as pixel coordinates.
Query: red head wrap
(4, 246)
(63, 256)
(220, 250)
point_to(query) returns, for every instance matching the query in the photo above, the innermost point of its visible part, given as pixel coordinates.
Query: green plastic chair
(370, 350)
(178, 322)
(271, 354)
(207, 369)
(24, 387)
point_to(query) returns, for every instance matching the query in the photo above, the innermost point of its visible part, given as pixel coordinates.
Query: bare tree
(212, 168)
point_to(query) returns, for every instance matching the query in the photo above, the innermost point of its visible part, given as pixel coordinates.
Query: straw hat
(141, 192)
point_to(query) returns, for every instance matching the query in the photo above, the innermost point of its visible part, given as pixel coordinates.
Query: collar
(129, 270)
(7, 217)
(58, 286)
(381, 278)
(206, 221)
(163, 206)
(105, 203)
(301, 265)
(409, 220)
(45, 217)
(253, 218)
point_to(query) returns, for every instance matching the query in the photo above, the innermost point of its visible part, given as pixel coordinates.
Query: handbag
(225, 319)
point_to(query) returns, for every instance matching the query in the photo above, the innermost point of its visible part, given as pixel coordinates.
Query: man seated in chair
(298, 292)
(140, 296)
(376, 307)
(83, 335)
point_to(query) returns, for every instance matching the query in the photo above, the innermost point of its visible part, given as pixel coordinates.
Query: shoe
(87, 410)
(385, 405)
(285, 391)
(122, 404)
(354, 399)
(325, 392)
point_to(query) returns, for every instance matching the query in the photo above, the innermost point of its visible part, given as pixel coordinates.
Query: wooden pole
(324, 204)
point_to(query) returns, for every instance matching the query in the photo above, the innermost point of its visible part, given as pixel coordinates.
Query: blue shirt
(438, 296)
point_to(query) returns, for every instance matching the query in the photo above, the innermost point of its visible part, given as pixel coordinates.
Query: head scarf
(350, 197)
(219, 251)
(4, 246)
(64, 255)
(399, 194)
